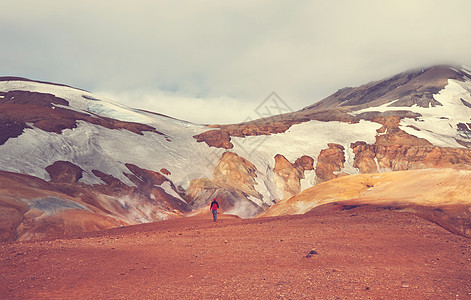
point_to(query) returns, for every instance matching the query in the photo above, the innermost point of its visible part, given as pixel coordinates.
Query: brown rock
(236, 172)
(165, 172)
(64, 171)
(110, 180)
(364, 157)
(330, 160)
(233, 185)
(305, 162)
(396, 150)
(290, 175)
(148, 183)
(215, 138)
(143, 178)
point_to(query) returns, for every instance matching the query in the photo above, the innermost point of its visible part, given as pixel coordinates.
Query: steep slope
(93, 151)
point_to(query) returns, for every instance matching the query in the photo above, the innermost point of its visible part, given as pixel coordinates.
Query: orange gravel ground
(366, 255)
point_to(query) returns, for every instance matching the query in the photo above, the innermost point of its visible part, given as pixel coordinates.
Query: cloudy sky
(213, 61)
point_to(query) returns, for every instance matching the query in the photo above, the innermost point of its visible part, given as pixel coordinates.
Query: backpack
(214, 206)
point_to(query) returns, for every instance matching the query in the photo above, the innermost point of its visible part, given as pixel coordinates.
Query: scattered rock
(165, 172)
(311, 253)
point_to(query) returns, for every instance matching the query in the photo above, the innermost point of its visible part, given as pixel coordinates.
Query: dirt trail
(361, 254)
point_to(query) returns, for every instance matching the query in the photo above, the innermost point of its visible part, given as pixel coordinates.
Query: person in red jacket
(213, 207)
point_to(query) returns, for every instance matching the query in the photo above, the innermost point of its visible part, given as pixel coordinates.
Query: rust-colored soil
(361, 254)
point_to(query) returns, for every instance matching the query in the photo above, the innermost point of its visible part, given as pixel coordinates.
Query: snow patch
(309, 179)
(168, 189)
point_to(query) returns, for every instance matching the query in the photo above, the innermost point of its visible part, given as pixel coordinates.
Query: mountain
(73, 161)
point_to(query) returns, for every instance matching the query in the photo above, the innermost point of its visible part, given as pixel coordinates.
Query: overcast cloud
(215, 61)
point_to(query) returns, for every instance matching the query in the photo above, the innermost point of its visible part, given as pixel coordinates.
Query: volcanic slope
(128, 166)
(439, 195)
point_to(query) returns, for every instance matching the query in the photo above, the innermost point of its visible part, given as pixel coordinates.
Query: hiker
(213, 207)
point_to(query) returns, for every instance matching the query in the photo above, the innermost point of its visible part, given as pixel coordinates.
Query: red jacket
(214, 205)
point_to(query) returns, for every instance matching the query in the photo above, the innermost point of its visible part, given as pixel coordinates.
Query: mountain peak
(414, 87)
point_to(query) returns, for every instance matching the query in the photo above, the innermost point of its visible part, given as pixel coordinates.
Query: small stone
(311, 253)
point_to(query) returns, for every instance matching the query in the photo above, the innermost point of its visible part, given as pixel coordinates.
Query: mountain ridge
(136, 166)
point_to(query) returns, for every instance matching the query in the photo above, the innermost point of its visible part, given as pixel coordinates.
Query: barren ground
(369, 255)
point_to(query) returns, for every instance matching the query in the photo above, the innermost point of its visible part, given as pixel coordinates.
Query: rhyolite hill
(73, 161)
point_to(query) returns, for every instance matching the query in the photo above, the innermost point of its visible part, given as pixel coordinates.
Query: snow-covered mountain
(66, 152)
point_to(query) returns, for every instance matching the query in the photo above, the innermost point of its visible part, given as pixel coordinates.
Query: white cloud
(214, 50)
(220, 110)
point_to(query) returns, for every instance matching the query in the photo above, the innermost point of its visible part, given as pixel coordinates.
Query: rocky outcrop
(64, 171)
(396, 150)
(236, 172)
(233, 184)
(165, 172)
(149, 183)
(215, 138)
(372, 158)
(289, 175)
(145, 180)
(330, 163)
(390, 134)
